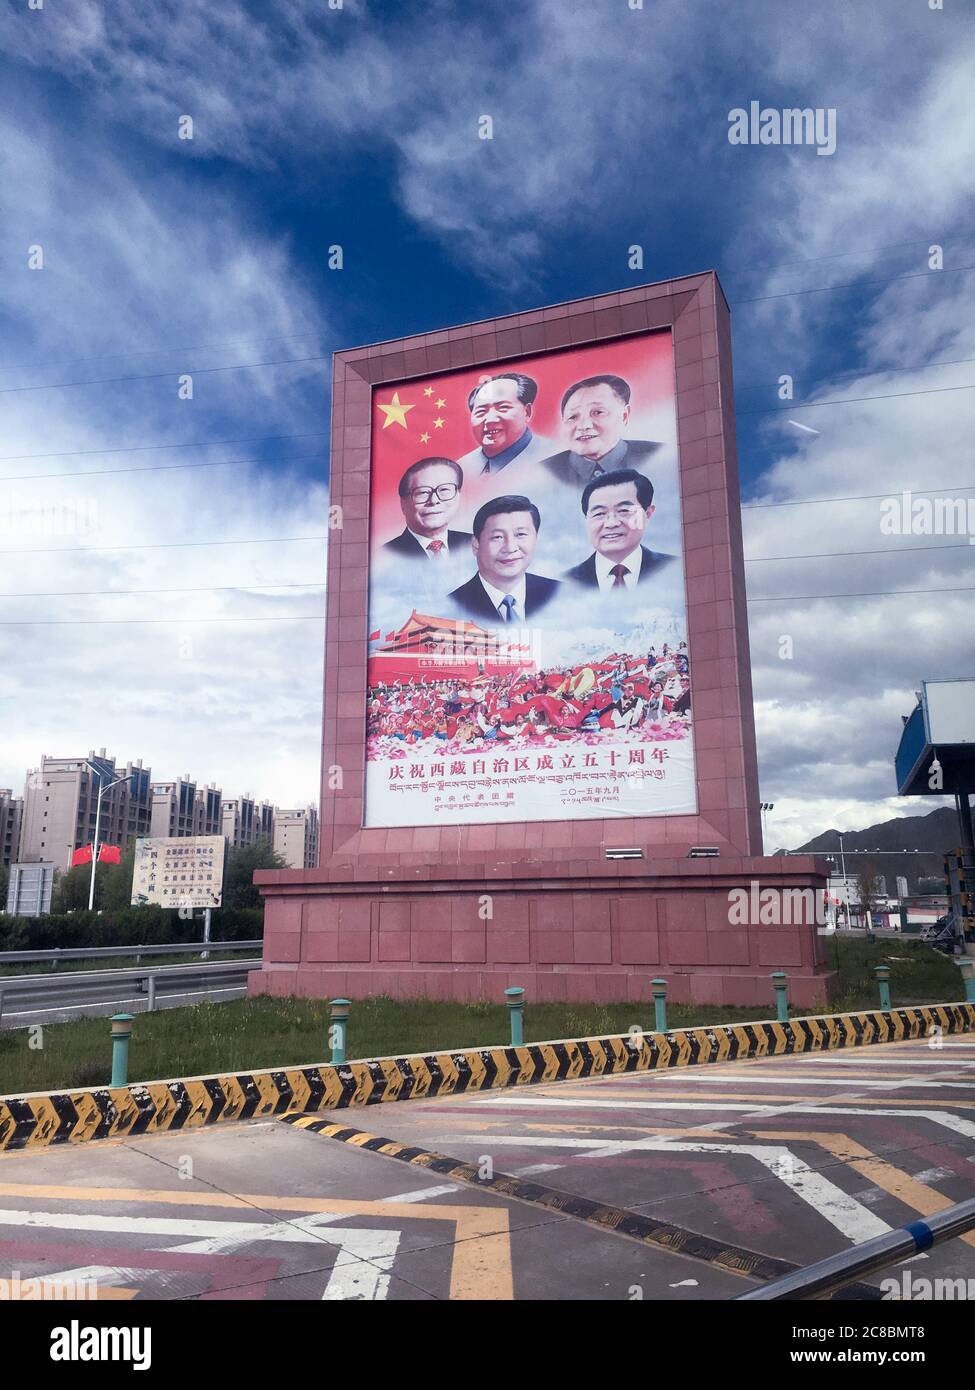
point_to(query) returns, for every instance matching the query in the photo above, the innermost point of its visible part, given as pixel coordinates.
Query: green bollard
(882, 973)
(338, 1029)
(781, 982)
(121, 1033)
(515, 1000)
(967, 968)
(659, 988)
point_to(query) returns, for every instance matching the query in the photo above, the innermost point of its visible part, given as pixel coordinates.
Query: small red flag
(109, 854)
(373, 636)
(81, 856)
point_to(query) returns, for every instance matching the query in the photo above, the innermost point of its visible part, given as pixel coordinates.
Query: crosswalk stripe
(849, 1217)
(945, 1118)
(882, 1062)
(781, 1078)
(907, 1189)
(674, 1100)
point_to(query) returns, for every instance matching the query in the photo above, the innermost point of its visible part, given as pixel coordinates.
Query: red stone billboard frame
(395, 910)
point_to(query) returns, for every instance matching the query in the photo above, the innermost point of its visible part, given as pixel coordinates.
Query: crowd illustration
(648, 696)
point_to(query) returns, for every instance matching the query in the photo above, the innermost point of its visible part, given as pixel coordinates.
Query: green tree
(113, 883)
(866, 889)
(71, 889)
(239, 889)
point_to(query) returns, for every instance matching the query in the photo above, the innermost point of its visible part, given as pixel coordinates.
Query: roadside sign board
(179, 871)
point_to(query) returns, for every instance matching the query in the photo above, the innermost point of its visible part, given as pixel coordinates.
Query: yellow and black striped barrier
(152, 1107)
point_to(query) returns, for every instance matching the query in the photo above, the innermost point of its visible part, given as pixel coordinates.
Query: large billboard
(528, 656)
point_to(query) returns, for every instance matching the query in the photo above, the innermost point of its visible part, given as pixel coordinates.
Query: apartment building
(296, 837)
(246, 821)
(56, 815)
(61, 802)
(11, 819)
(207, 810)
(174, 807)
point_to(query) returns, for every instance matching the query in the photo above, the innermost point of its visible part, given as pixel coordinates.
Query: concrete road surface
(789, 1158)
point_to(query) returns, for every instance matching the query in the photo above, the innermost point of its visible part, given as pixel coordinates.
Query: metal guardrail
(177, 948)
(93, 987)
(826, 1276)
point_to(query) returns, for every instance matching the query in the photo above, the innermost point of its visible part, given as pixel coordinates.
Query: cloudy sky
(316, 124)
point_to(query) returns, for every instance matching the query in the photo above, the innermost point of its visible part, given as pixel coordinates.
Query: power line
(939, 240)
(854, 372)
(295, 540)
(319, 617)
(836, 554)
(157, 376)
(861, 497)
(855, 285)
(202, 589)
(185, 622)
(145, 448)
(158, 351)
(321, 434)
(852, 400)
(317, 584)
(158, 545)
(752, 269)
(324, 357)
(876, 593)
(156, 468)
(307, 458)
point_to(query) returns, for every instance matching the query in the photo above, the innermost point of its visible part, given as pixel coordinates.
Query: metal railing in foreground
(826, 1276)
(174, 948)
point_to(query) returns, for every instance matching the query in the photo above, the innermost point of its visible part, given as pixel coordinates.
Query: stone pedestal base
(590, 930)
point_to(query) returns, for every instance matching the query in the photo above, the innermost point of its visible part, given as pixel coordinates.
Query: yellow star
(395, 412)
(440, 403)
(424, 438)
(428, 390)
(438, 424)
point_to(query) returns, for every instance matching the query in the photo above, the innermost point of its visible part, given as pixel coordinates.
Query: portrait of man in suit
(595, 413)
(429, 495)
(501, 414)
(505, 537)
(617, 508)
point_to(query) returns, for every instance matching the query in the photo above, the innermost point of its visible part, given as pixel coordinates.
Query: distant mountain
(931, 835)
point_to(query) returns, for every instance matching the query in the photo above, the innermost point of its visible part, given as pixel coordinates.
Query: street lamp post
(98, 820)
(765, 807)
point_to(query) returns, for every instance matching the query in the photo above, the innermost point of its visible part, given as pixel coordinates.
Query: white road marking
(830, 1201)
(946, 1118)
(781, 1078)
(934, 1175)
(358, 1272)
(885, 1061)
(444, 1190)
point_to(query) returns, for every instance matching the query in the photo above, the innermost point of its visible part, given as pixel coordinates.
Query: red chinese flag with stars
(81, 856)
(109, 854)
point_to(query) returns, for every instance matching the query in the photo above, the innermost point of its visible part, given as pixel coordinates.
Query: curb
(153, 1107)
